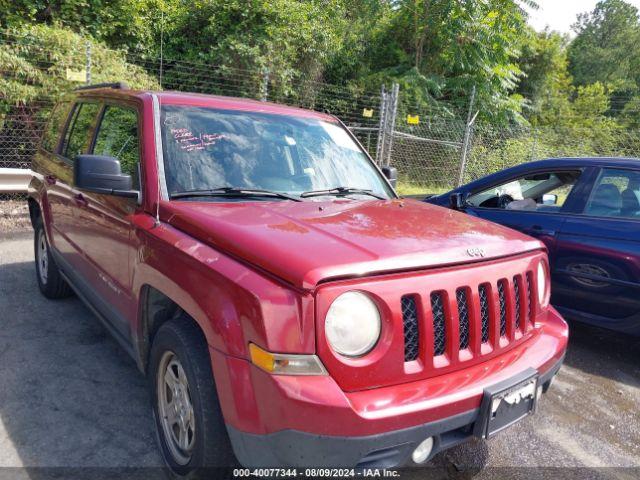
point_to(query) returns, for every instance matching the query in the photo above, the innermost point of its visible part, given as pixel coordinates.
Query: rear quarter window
(57, 120)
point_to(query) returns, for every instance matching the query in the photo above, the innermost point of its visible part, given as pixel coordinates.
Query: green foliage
(289, 37)
(437, 50)
(631, 114)
(118, 22)
(546, 82)
(442, 49)
(606, 45)
(35, 66)
(38, 60)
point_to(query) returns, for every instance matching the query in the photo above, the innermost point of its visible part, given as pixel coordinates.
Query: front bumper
(309, 421)
(384, 450)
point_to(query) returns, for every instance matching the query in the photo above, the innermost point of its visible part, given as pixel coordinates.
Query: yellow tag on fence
(76, 75)
(367, 113)
(413, 119)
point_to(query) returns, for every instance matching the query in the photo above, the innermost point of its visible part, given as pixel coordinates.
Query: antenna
(161, 43)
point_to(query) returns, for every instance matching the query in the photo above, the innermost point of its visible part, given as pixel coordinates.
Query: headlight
(352, 325)
(542, 284)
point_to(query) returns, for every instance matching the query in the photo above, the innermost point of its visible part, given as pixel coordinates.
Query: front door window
(538, 192)
(118, 137)
(78, 136)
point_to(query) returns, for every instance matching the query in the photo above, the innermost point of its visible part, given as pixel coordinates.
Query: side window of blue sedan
(542, 191)
(616, 194)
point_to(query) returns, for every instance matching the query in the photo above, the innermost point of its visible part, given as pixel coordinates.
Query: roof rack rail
(115, 85)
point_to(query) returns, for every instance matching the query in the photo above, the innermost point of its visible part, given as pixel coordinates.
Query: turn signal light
(284, 364)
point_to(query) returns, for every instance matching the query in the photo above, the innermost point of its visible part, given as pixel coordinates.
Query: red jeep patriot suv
(285, 304)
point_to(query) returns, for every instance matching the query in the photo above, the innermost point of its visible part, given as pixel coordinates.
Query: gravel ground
(14, 215)
(70, 397)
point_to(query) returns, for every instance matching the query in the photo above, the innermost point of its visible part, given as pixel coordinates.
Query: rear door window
(616, 194)
(80, 129)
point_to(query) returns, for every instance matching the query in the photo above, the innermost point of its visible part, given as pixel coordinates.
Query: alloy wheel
(175, 408)
(43, 257)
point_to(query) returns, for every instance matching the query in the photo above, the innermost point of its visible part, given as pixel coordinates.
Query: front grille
(516, 292)
(484, 312)
(439, 329)
(463, 316)
(502, 297)
(411, 333)
(475, 316)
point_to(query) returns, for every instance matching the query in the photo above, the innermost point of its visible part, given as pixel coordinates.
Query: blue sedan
(587, 212)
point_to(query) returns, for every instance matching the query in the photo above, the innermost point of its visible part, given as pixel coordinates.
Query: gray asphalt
(70, 397)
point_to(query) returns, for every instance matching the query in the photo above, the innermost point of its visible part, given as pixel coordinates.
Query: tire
(180, 351)
(50, 281)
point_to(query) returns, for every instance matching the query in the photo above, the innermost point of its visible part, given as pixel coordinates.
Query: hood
(308, 242)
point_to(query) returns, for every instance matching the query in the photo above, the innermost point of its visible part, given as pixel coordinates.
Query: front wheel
(188, 418)
(50, 281)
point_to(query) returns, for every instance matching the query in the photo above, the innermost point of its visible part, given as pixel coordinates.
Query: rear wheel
(189, 422)
(50, 281)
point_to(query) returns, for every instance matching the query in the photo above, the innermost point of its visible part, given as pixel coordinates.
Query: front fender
(233, 303)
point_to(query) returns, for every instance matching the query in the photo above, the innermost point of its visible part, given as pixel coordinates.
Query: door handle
(50, 179)
(543, 231)
(80, 200)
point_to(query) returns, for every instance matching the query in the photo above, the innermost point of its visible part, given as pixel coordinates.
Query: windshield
(206, 149)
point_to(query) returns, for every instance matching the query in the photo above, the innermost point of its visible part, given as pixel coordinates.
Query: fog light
(423, 451)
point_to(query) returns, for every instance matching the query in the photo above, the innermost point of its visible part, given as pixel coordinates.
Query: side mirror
(549, 199)
(101, 174)
(457, 201)
(392, 175)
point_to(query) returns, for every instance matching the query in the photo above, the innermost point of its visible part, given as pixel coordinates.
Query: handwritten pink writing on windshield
(190, 142)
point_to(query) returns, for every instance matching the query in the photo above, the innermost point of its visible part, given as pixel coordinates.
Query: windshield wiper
(234, 192)
(341, 192)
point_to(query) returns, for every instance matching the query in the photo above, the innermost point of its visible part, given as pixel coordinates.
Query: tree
(289, 37)
(443, 49)
(119, 23)
(546, 82)
(34, 70)
(606, 45)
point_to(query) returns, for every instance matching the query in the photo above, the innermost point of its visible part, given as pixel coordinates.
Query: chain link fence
(492, 149)
(435, 156)
(433, 152)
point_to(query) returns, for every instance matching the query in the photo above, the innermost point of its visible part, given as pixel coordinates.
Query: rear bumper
(384, 450)
(309, 421)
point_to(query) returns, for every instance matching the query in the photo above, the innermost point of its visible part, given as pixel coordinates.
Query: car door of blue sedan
(597, 271)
